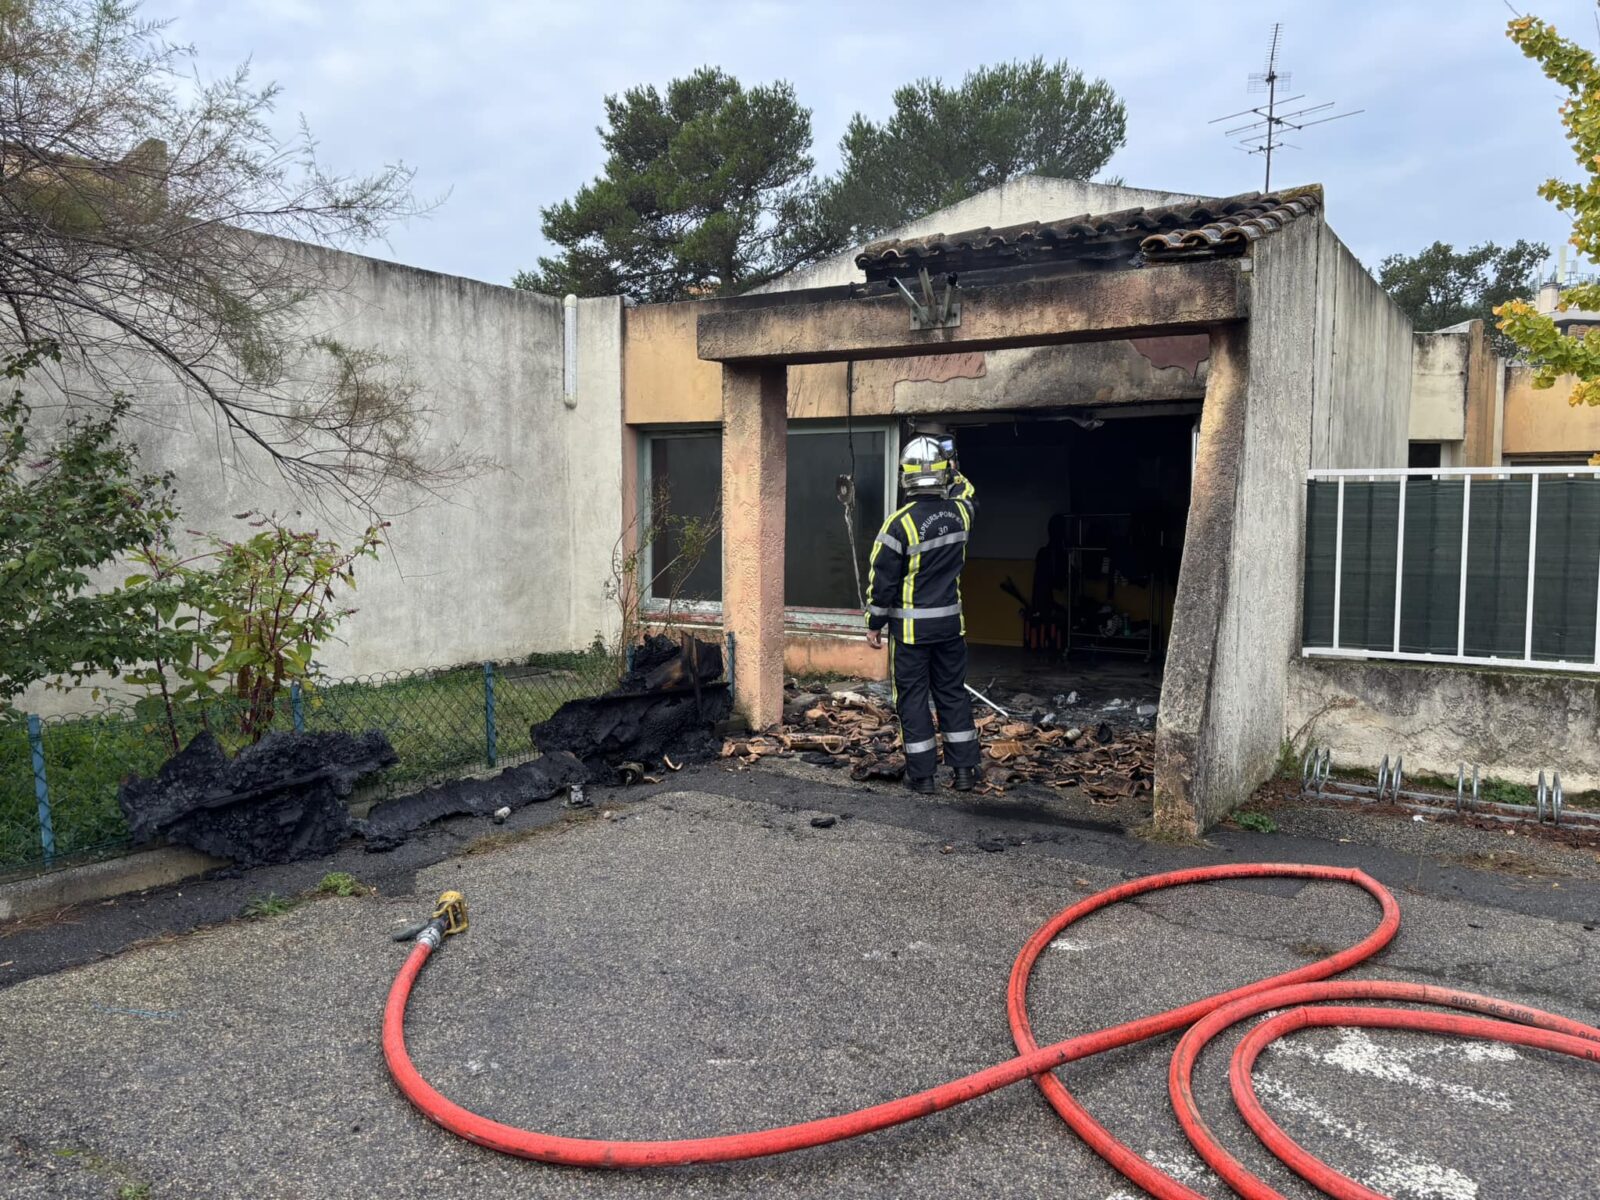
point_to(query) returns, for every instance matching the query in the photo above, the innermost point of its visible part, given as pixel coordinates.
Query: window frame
(649, 604)
(712, 609)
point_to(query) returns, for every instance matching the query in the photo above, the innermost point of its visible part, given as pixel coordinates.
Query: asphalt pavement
(705, 960)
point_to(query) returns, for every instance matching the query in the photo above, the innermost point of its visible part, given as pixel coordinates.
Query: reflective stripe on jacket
(914, 572)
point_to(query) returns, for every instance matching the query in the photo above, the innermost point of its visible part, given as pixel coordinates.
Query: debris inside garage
(855, 730)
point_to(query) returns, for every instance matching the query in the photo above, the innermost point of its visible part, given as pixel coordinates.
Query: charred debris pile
(286, 797)
(662, 712)
(279, 800)
(856, 731)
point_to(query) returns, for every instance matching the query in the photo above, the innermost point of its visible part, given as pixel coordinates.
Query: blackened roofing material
(1196, 228)
(1241, 226)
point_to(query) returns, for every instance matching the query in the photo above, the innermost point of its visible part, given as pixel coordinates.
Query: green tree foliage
(70, 508)
(943, 144)
(707, 189)
(145, 218)
(238, 619)
(1551, 352)
(1439, 286)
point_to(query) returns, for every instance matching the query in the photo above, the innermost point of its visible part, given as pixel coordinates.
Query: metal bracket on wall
(928, 312)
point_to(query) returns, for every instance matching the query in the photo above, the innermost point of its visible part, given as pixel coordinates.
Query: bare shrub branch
(148, 221)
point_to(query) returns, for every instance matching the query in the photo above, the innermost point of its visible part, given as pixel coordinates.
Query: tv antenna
(1264, 134)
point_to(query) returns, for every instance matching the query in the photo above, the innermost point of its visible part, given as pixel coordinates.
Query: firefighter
(914, 595)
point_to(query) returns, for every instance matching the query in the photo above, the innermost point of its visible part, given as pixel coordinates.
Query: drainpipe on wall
(569, 350)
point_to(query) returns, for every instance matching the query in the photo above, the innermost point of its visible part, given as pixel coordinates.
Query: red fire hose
(1203, 1019)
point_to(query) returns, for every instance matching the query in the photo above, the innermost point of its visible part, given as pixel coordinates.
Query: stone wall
(1512, 724)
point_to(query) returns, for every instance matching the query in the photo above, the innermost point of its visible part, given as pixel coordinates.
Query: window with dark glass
(685, 487)
(817, 571)
(1424, 455)
(686, 478)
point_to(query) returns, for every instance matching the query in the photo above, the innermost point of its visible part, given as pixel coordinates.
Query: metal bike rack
(1314, 769)
(1461, 787)
(1316, 781)
(1547, 798)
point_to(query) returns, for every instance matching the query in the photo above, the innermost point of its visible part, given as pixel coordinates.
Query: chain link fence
(59, 775)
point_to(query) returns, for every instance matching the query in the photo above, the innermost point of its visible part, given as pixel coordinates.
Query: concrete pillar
(1484, 401)
(755, 423)
(1188, 792)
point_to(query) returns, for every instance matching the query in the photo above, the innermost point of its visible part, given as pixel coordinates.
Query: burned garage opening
(1073, 564)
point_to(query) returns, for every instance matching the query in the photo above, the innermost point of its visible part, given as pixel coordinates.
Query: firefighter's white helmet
(927, 466)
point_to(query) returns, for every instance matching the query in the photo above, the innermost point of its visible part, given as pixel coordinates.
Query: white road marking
(1358, 1053)
(1071, 945)
(1184, 1170)
(1394, 1172)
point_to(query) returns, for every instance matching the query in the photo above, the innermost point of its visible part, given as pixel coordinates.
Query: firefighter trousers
(936, 670)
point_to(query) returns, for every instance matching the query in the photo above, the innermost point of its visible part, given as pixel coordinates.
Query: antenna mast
(1264, 135)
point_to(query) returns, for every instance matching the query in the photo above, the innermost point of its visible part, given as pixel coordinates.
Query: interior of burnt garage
(1074, 559)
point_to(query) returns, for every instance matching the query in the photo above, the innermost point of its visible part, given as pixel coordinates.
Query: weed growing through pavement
(341, 883)
(1255, 822)
(1289, 760)
(132, 1188)
(270, 905)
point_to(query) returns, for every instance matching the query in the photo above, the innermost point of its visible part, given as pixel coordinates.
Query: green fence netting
(1433, 595)
(440, 723)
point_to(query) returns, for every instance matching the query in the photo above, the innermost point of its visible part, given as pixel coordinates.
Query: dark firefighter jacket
(914, 577)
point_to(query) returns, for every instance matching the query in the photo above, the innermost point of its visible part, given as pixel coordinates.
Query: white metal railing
(1466, 475)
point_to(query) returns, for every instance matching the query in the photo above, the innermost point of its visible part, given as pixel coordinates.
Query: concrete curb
(101, 880)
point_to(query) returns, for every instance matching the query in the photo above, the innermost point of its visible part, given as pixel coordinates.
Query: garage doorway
(1073, 564)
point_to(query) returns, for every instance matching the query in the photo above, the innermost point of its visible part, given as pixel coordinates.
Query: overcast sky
(495, 103)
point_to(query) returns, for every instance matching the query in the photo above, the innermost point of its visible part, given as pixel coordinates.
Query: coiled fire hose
(1289, 994)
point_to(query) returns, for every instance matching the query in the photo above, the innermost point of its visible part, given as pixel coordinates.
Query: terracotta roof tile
(1241, 226)
(1186, 230)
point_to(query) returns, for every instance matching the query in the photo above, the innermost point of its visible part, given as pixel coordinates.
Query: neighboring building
(1457, 399)
(1471, 408)
(1574, 322)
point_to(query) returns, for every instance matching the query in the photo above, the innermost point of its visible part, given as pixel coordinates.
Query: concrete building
(1472, 408)
(1160, 373)
(1457, 399)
